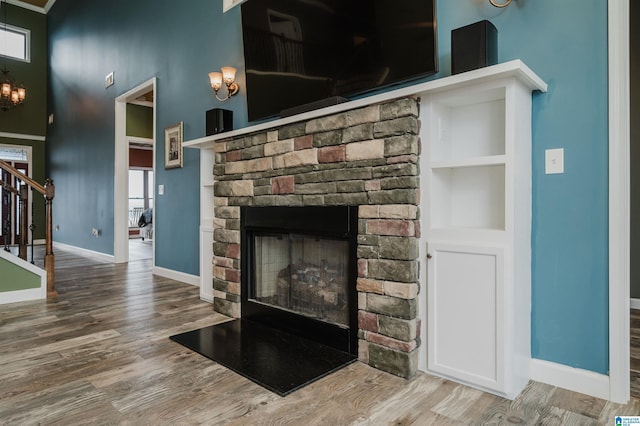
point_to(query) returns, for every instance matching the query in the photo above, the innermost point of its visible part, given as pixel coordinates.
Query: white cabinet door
(465, 313)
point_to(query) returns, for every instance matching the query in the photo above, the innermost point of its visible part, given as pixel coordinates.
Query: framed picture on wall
(173, 146)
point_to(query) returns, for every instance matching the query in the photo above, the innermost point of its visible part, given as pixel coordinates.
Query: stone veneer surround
(366, 157)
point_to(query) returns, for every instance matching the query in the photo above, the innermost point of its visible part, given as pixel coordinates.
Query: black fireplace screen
(307, 275)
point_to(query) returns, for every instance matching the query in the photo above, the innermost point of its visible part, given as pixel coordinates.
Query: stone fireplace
(366, 158)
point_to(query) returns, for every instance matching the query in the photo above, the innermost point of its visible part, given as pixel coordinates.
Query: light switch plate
(160, 189)
(108, 80)
(554, 161)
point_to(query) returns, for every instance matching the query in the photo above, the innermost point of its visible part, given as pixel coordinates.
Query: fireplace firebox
(299, 268)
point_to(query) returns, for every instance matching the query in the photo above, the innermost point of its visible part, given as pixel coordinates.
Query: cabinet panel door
(465, 337)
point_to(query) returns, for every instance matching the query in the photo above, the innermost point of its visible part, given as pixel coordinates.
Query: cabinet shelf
(489, 160)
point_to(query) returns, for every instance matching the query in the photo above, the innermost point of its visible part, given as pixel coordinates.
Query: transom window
(14, 42)
(13, 154)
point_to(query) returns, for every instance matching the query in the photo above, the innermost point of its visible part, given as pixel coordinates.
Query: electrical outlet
(160, 189)
(95, 232)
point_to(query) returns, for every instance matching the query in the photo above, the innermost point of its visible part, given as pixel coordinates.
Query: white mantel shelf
(515, 68)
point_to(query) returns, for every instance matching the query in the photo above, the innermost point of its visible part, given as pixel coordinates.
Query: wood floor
(635, 353)
(100, 354)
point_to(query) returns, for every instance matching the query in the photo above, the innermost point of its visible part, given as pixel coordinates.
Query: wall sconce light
(227, 76)
(496, 4)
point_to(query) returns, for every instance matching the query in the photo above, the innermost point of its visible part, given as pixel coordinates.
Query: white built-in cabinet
(207, 160)
(476, 210)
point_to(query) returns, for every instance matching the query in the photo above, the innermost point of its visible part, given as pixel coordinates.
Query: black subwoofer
(474, 46)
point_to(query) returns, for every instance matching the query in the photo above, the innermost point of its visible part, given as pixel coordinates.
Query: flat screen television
(301, 51)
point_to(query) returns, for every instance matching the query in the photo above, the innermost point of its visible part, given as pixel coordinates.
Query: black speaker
(474, 46)
(219, 120)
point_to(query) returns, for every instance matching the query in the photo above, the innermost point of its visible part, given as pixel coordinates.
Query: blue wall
(564, 42)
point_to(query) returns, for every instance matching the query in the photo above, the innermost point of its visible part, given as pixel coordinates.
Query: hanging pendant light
(11, 93)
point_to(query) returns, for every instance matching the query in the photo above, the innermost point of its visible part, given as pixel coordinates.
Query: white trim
(22, 136)
(28, 294)
(634, 303)
(142, 141)
(619, 207)
(121, 170)
(39, 242)
(22, 295)
(148, 104)
(44, 10)
(83, 251)
(27, 6)
(228, 4)
(49, 5)
(177, 276)
(573, 379)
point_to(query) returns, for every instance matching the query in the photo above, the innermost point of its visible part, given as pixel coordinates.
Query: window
(14, 42)
(140, 194)
(13, 154)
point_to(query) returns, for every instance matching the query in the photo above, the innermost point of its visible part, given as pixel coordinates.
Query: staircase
(21, 280)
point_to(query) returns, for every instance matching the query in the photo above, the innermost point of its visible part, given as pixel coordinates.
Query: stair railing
(48, 190)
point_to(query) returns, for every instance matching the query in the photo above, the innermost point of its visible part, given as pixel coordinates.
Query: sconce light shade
(227, 76)
(496, 4)
(216, 80)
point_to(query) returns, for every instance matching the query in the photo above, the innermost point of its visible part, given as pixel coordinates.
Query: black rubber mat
(276, 360)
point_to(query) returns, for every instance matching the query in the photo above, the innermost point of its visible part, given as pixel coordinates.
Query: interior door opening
(134, 193)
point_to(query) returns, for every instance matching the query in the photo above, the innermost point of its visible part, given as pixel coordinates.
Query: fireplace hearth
(299, 300)
(299, 271)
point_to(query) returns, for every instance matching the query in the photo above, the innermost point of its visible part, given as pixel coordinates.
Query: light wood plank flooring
(635, 353)
(100, 354)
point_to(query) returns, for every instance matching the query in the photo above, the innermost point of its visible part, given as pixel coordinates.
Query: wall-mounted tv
(301, 51)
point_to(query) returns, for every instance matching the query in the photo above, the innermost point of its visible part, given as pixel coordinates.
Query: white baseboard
(23, 295)
(84, 252)
(634, 303)
(39, 242)
(573, 379)
(206, 299)
(28, 294)
(178, 276)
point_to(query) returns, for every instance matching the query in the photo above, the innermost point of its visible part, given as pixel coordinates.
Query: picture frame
(173, 146)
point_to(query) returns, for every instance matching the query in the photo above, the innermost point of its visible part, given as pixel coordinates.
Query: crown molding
(44, 10)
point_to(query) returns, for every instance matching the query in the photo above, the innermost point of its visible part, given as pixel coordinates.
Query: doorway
(144, 94)
(20, 158)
